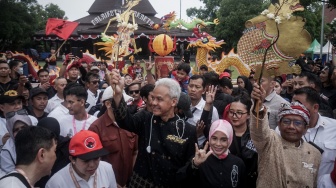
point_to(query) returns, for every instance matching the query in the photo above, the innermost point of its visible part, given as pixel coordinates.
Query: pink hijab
(224, 127)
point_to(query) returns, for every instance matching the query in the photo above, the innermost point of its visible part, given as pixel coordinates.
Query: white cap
(108, 94)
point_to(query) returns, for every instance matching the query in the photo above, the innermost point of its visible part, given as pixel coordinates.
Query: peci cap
(10, 96)
(294, 108)
(36, 91)
(86, 145)
(184, 104)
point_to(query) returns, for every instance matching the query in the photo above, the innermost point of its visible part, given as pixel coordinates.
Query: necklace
(75, 181)
(176, 126)
(74, 123)
(4, 90)
(149, 148)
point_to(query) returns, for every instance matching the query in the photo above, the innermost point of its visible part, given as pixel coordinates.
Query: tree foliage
(234, 13)
(21, 19)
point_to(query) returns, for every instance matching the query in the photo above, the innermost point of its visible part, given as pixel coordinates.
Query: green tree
(209, 12)
(54, 11)
(17, 24)
(232, 15)
(21, 19)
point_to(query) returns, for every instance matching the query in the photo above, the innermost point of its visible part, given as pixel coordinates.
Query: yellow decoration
(11, 93)
(163, 44)
(278, 29)
(225, 62)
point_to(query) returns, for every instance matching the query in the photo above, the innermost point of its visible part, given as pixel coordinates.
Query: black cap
(36, 91)
(10, 96)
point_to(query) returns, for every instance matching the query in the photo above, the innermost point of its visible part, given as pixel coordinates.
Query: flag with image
(61, 28)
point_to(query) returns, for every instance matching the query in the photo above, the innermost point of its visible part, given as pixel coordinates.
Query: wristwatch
(260, 112)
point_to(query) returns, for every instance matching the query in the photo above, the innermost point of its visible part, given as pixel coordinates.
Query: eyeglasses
(94, 82)
(237, 114)
(135, 91)
(19, 112)
(296, 123)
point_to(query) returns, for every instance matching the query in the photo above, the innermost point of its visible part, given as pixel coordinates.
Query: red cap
(86, 145)
(225, 74)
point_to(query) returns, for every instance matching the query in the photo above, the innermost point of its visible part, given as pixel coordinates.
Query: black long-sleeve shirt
(172, 147)
(215, 172)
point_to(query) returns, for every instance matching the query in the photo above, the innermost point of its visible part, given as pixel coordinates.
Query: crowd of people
(94, 127)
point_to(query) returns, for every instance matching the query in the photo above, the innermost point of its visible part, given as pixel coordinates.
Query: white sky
(75, 9)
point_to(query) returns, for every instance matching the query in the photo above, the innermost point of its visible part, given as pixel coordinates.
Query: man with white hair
(166, 142)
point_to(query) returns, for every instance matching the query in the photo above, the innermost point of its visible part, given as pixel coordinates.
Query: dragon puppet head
(167, 19)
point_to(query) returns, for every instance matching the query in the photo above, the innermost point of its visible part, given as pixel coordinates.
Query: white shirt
(59, 112)
(325, 181)
(53, 103)
(105, 178)
(273, 102)
(92, 100)
(67, 126)
(197, 116)
(3, 129)
(11, 182)
(8, 156)
(324, 135)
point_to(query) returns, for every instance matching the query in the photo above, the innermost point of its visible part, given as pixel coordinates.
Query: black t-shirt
(244, 148)
(31, 112)
(11, 85)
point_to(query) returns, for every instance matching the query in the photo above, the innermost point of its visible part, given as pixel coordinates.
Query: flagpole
(60, 47)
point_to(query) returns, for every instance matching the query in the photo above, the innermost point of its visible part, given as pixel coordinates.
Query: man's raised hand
(117, 82)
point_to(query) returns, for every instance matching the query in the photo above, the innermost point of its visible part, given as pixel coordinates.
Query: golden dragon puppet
(205, 43)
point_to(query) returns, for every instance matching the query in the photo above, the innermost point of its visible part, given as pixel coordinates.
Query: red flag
(61, 28)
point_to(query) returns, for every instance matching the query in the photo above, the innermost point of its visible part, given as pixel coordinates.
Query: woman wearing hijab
(16, 121)
(218, 167)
